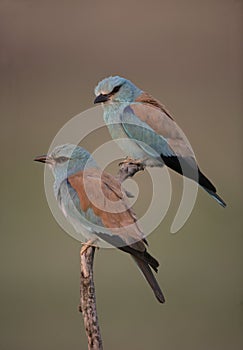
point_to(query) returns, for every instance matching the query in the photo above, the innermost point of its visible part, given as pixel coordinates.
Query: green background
(189, 55)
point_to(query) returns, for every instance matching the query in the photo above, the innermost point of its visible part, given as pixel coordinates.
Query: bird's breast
(118, 134)
(81, 221)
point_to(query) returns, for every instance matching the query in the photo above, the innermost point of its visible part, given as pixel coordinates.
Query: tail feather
(216, 197)
(209, 187)
(188, 167)
(148, 274)
(144, 256)
(205, 182)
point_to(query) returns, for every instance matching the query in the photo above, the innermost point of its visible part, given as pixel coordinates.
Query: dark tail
(148, 274)
(190, 168)
(144, 256)
(209, 187)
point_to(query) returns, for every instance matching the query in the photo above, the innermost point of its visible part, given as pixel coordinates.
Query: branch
(87, 307)
(88, 299)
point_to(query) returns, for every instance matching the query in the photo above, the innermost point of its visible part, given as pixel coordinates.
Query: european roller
(96, 205)
(147, 132)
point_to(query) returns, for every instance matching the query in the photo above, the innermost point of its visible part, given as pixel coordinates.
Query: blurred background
(189, 55)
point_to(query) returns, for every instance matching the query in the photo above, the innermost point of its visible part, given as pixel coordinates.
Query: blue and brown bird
(147, 132)
(96, 205)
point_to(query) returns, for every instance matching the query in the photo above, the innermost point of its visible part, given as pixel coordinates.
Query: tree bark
(88, 300)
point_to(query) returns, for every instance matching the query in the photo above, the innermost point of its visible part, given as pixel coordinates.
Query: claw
(130, 161)
(88, 244)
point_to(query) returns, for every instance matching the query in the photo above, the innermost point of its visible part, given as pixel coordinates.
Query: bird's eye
(62, 159)
(116, 89)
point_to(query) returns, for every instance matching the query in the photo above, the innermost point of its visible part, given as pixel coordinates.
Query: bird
(97, 206)
(146, 130)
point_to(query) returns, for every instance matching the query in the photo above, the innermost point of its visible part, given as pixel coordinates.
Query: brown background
(189, 55)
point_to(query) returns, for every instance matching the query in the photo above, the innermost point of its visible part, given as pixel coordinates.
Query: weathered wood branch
(88, 299)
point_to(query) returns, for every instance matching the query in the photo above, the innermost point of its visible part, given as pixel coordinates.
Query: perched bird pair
(146, 131)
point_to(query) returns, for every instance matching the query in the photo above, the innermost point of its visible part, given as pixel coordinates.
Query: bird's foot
(129, 167)
(130, 161)
(86, 245)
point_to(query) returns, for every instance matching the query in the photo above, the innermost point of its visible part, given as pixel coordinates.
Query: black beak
(43, 159)
(101, 98)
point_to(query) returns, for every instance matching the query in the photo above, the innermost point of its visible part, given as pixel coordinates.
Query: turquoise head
(116, 89)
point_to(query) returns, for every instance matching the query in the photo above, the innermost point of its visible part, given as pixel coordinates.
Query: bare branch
(88, 299)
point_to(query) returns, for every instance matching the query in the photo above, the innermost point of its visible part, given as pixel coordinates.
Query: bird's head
(116, 89)
(66, 160)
